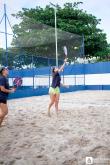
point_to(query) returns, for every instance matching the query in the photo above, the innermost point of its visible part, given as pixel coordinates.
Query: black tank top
(56, 80)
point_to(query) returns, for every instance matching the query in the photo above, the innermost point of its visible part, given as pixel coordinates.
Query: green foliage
(70, 19)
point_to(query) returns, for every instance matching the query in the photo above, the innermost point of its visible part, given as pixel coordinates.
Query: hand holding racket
(65, 60)
(12, 90)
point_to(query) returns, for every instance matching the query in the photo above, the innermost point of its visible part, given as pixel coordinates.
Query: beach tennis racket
(17, 82)
(65, 51)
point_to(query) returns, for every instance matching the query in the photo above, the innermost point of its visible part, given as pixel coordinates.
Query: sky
(98, 8)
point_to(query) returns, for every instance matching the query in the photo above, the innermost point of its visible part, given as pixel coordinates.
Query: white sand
(82, 129)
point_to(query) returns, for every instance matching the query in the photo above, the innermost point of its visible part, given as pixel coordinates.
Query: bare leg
(1, 120)
(1, 116)
(52, 100)
(57, 102)
(3, 112)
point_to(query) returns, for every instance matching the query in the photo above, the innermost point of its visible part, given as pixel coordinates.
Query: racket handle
(13, 90)
(65, 60)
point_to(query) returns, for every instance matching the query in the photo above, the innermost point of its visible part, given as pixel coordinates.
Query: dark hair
(2, 69)
(53, 70)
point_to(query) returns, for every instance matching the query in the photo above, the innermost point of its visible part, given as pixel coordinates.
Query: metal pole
(49, 74)
(32, 68)
(6, 52)
(56, 39)
(83, 46)
(56, 43)
(83, 55)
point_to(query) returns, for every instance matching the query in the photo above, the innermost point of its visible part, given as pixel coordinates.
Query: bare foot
(2, 123)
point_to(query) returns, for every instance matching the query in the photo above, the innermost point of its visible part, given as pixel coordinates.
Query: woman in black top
(54, 90)
(4, 91)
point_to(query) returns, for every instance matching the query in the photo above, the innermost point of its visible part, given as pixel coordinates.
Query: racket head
(65, 51)
(17, 82)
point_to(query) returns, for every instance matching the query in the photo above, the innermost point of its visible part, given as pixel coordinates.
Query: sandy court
(82, 129)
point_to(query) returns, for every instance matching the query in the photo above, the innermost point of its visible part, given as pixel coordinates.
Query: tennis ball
(75, 48)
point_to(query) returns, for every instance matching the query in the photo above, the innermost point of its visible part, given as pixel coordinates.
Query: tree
(33, 33)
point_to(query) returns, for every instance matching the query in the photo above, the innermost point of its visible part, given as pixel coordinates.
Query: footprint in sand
(100, 151)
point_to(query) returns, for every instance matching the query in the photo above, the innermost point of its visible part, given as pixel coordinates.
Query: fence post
(49, 74)
(33, 70)
(75, 79)
(63, 77)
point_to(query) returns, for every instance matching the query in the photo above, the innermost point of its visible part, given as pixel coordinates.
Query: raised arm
(62, 67)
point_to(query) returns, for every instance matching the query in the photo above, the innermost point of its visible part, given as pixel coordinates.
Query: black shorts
(3, 101)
